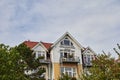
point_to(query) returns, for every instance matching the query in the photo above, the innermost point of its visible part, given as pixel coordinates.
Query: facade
(87, 56)
(65, 56)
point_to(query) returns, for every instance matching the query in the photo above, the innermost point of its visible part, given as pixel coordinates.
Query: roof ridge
(46, 42)
(30, 41)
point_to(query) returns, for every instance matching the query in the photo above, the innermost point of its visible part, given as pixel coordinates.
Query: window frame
(71, 71)
(66, 42)
(40, 53)
(67, 52)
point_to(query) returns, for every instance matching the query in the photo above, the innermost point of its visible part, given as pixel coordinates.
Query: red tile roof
(47, 45)
(31, 44)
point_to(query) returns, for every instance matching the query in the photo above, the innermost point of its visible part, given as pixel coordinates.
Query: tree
(104, 68)
(116, 50)
(10, 68)
(66, 77)
(28, 57)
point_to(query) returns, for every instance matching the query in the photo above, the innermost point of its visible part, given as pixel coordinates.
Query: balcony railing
(70, 60)
(45, 61)
(88, 64)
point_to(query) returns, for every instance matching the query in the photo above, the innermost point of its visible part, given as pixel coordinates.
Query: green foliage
(118, 53)
(13, 62)
(104, 68)
(29, 59)
(41, 57)
(73, 78)
(66, 77)
(10, 68)
(27, 56)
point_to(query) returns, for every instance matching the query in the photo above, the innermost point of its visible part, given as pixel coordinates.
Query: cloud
(93, 23)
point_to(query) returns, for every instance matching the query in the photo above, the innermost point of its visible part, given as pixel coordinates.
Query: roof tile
(47, 45)
(30, 44)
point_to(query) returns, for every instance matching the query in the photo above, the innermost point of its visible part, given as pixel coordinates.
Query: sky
(94, 23)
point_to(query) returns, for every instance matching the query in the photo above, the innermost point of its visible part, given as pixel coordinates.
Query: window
(87, 59)
(68, 70)
(66, 53)
(40, 53)
(62, 70)
(74, 72)
(61, 53)
(66, 42)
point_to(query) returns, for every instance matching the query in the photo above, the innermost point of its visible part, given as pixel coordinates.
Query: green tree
(66, 77)
(116, 50)
(104, 68)
(28, 57)
(10, 66)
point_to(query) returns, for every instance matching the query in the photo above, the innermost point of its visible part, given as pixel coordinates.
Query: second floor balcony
(70, 60)
(87, 64)
(45, 61)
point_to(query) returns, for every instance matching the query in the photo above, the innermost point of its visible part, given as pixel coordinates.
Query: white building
(66, 55)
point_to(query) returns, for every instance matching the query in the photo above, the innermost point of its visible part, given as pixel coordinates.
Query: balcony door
(66, 53)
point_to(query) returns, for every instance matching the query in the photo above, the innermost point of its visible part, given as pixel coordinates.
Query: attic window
(66, 42)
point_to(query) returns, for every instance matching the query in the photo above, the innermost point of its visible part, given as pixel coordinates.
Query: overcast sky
(94, 23)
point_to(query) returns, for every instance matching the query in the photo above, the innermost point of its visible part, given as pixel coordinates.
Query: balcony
(88, 64)
(44, 61)
(70, 60)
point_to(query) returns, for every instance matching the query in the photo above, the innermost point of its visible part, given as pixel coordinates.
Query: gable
(33, 45)
(67, 39)
(88, 51)
(39, 47)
